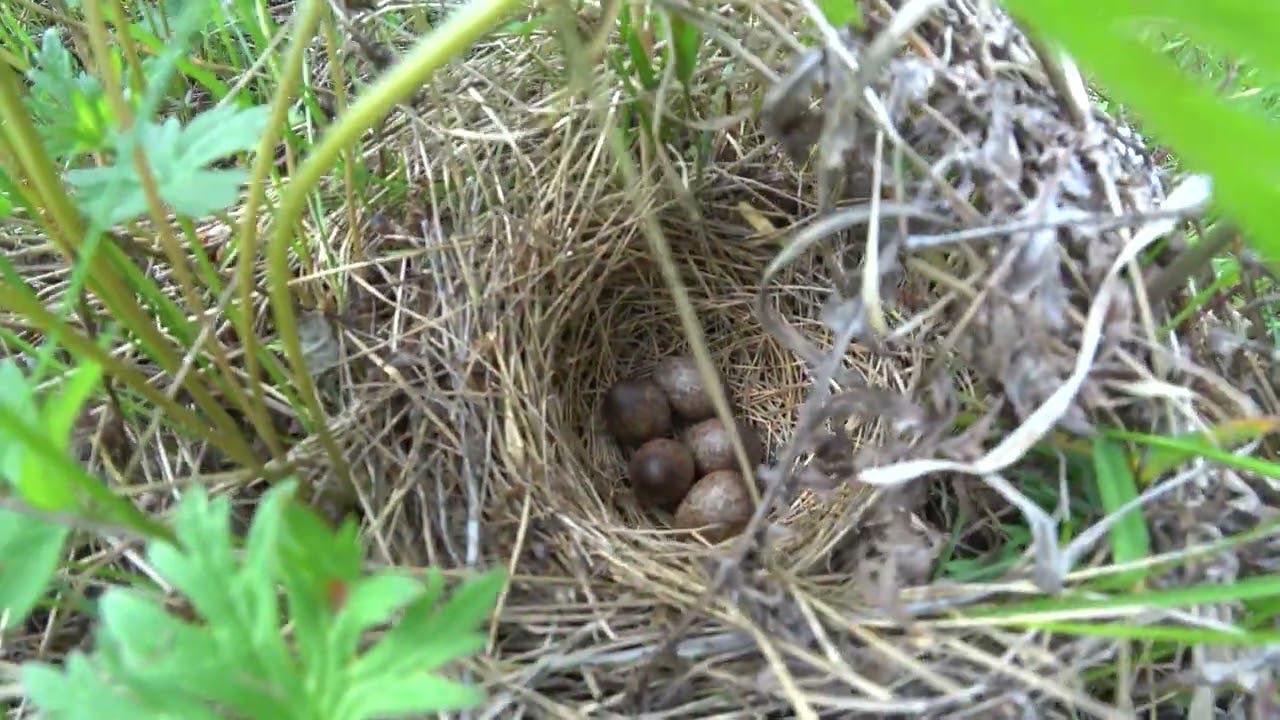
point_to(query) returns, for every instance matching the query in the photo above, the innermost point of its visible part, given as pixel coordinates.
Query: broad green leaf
(370, 601)
(414, 695)
(1242, 153)
(686, 40)
(178, 158)
(221, 131)
(78, 691)
(841, 13)
(29, 552)
(1116, 486)
(1242, 28)
(24, 465)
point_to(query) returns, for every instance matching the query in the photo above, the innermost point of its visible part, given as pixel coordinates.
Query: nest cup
(623, 323)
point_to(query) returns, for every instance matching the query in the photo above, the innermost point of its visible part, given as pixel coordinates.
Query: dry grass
(490, 308)
(475, 360)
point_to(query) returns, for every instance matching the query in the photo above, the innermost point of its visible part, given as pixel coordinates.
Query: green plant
(242, 656)
(146, 124)
(1112, 41)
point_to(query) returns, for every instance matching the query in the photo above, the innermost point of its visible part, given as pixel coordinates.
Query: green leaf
(1193, 447)
(29, 552)
(71, 111)
(1242, 153)
(412, 695)
(78, 692)
(24, 466)
(1116, 487)
(178, 158)
(639, 56)
(237, 660)
(1244, 28)
(1158, 633)
(686, 40)
(62, 410)
(371, 601)
(1044, 609)
(841, 13)
(428, 637)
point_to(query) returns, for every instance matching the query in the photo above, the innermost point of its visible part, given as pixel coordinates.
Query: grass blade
(1116, 487)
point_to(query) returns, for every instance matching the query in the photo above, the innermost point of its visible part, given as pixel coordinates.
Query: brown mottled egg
(719, 500)
(712, 449)
(661, 472)
(636, 411)
(678, 377)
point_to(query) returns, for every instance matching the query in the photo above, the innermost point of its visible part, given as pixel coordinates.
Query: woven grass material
(513, 285)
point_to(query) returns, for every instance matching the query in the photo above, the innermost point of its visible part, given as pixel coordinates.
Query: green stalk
(113, 507)
(467, 25)
(247, 247)
(225, 437)
(99, 42)
(62, 221)
(349, 156)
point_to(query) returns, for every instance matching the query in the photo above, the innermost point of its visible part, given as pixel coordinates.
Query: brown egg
(637, 411)
(661, 472)
(719, 500)
(712, 449)
(678, 377)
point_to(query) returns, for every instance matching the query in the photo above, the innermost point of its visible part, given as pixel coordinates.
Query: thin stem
(224, 436)
(459, 32)
(247, 247)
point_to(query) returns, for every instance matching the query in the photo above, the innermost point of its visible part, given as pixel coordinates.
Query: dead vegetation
(990, 278)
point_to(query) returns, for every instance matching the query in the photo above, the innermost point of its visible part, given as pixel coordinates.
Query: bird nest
(912, 267)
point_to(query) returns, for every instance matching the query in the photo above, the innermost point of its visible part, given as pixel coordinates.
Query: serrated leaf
(223, 130)
(371, 601)
(70, 109)
(29, 552)
(178, 157)
(235, 658)
(203, 567)
(428, 637)
(415, 695)
(78, 692)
